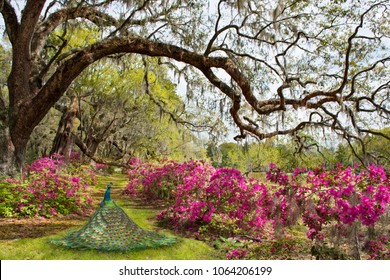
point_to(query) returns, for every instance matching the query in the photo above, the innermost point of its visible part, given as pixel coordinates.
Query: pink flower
(53, 212)
(75, 180)
(236, 254)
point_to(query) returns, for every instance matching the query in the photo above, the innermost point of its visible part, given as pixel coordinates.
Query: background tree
(6, 147)
(378, 149)
(255, 157)
(316, 64)
(119, 120)
(107, 114)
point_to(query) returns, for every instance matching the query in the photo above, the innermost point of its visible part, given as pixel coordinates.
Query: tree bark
(64, 140)
(7, 149)
(92, 145)
(19, 123)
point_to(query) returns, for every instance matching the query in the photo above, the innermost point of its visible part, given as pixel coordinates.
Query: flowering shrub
(189, 210)
(51, 164)
(137, 173)
(50, 189)
(157, 181)
(101, 167)
(344, 205)
(341, 207)
(75, 157)
(237, 205)
(163, 181)
(200, 198)
(236, 254)
(285, 247)
(379, 248)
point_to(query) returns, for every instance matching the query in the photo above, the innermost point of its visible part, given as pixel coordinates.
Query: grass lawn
(39, 247)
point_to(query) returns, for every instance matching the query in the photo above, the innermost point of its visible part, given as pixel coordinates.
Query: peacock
(111, 229)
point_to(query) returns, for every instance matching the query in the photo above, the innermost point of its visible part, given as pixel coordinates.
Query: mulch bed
(36, 227)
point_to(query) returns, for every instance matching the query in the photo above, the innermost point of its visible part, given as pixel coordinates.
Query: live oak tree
(277, 66)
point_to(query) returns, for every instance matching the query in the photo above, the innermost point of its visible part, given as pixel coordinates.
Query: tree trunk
(64, 140)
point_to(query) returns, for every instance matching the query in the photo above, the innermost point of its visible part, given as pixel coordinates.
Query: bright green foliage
(256, 157)
(378, 148)
(5, 65)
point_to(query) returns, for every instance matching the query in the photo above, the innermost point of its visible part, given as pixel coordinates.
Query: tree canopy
(277, 67)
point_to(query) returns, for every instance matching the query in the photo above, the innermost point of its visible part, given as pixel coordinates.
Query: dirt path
(35, 227)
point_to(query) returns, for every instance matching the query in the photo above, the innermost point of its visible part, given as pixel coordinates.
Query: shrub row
(345, 207)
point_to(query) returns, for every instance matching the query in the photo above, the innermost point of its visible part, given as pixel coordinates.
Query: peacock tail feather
(111, 229)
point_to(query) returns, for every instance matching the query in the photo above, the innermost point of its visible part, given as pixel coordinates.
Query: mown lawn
(40, 248)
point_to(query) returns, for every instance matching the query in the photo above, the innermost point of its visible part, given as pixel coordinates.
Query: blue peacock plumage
(110, 229)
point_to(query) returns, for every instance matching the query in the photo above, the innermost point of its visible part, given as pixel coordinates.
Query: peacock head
(109, 185)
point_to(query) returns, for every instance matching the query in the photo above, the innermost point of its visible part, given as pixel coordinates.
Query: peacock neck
(107, 196)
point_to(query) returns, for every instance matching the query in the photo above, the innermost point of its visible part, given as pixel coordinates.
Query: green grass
(41, 249)
(117, 179)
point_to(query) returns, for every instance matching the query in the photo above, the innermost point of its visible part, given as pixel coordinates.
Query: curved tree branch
(61, 16)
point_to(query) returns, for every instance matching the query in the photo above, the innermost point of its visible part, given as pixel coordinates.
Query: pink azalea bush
(137, 173)
(237, 205)
(100, 167)
(344, 206)
(200, 198)
(188, 210)
(157, 181)
(49, 188)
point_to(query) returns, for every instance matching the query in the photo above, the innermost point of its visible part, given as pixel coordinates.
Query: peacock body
(111, 229)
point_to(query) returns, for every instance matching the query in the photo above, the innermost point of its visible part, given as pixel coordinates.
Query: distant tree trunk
(7, 149)
(92, 145)
(88, 147)
(64, 140)
(7, 159)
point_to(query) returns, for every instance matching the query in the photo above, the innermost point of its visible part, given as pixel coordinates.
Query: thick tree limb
(96, 159)
(30, 16)
(11, 21)
(73, 66)
(61, 16)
